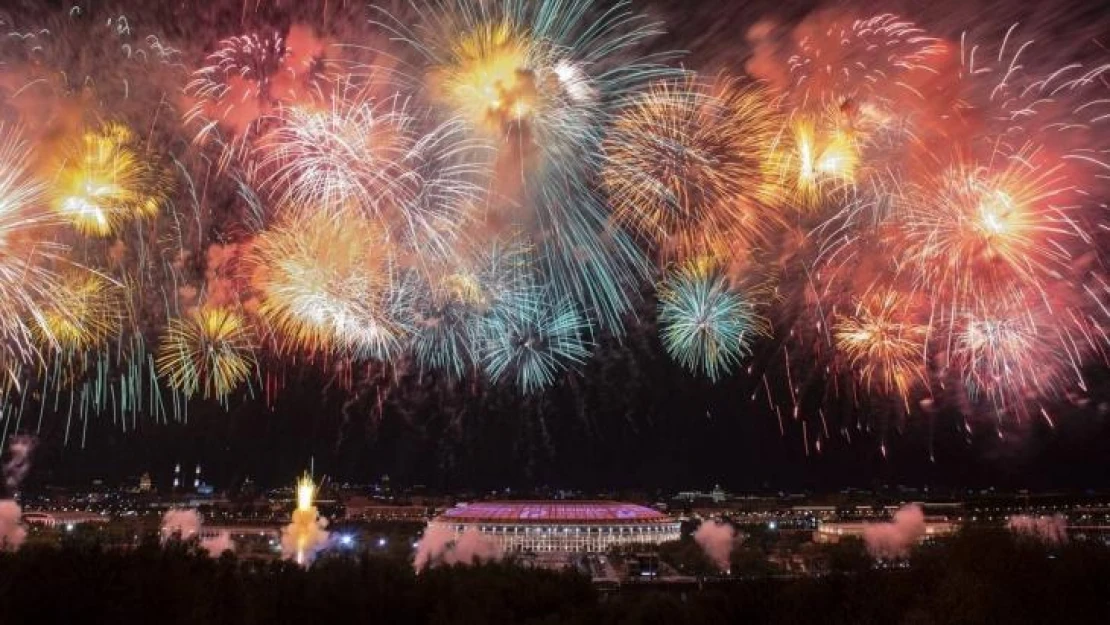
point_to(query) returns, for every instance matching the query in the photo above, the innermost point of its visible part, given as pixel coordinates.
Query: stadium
(559, 527)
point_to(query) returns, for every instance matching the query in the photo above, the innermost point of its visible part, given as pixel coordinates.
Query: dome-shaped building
(559, 526)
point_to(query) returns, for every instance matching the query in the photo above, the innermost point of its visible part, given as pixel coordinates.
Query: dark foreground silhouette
(976, 577)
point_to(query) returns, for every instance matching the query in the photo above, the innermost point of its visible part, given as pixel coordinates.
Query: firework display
(707, 325)
(687, 165)
(84, 312)
(104, 182)
(483, 190)
(209, 351)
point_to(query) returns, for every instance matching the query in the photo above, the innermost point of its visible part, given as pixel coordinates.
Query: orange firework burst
(105, 181)
(884, 347)
(686, 165)
(814, 159)
(328, 285)
(465, 287)
(981, 227)
(491, 82)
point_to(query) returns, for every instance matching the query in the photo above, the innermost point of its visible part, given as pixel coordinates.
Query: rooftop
(554, 512)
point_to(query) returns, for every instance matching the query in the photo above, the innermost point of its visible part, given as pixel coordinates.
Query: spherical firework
(687, 165)
(210, 351)
(707, 325)
(975, 228)
(490, 78)
(375, 158)
(532, 344)
(856, 89)
(883, 345)
(1010, 350)
(105, 181)
(542, 79)
(27, 280)
(335, 157)
(522, 68)
(454, 312)
(328, 285)
(83, 312)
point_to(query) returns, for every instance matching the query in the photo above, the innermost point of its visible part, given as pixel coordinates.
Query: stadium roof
(553, 512)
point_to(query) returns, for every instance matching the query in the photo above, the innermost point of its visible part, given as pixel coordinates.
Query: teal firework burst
(707, 325)
(542, 81)
(531, 344)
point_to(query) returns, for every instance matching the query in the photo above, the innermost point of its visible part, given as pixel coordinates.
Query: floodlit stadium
(580, 526)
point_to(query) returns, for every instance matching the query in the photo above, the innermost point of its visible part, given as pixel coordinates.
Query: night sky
(629, 419)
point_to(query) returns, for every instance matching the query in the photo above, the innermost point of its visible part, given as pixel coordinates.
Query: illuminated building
(832, 532)
(561, 527)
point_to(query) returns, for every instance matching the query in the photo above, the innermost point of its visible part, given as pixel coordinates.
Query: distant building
(562, 527)
(62, 518)
(359, 508)
(834, 531)
(717, 495)
(145, 484)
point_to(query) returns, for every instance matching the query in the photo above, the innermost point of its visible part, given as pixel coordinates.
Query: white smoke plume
(185, 524)
(440, 546)
(180, 524)
(435, 541)
(19, 460)
(218, 544)
(716, 540)
(12, 532)
(894, 539)
(1052, 530)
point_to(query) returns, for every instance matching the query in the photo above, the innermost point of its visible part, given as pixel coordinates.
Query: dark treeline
(978, 577)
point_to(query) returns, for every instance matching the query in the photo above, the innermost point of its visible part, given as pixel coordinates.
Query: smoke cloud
(186, 524)
(894, 539)
(19, 460)
(12, 532)
(1051, 530)
(716, 540)
(180, 524)
(304, 537)
(218, 544)
(440, 546)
